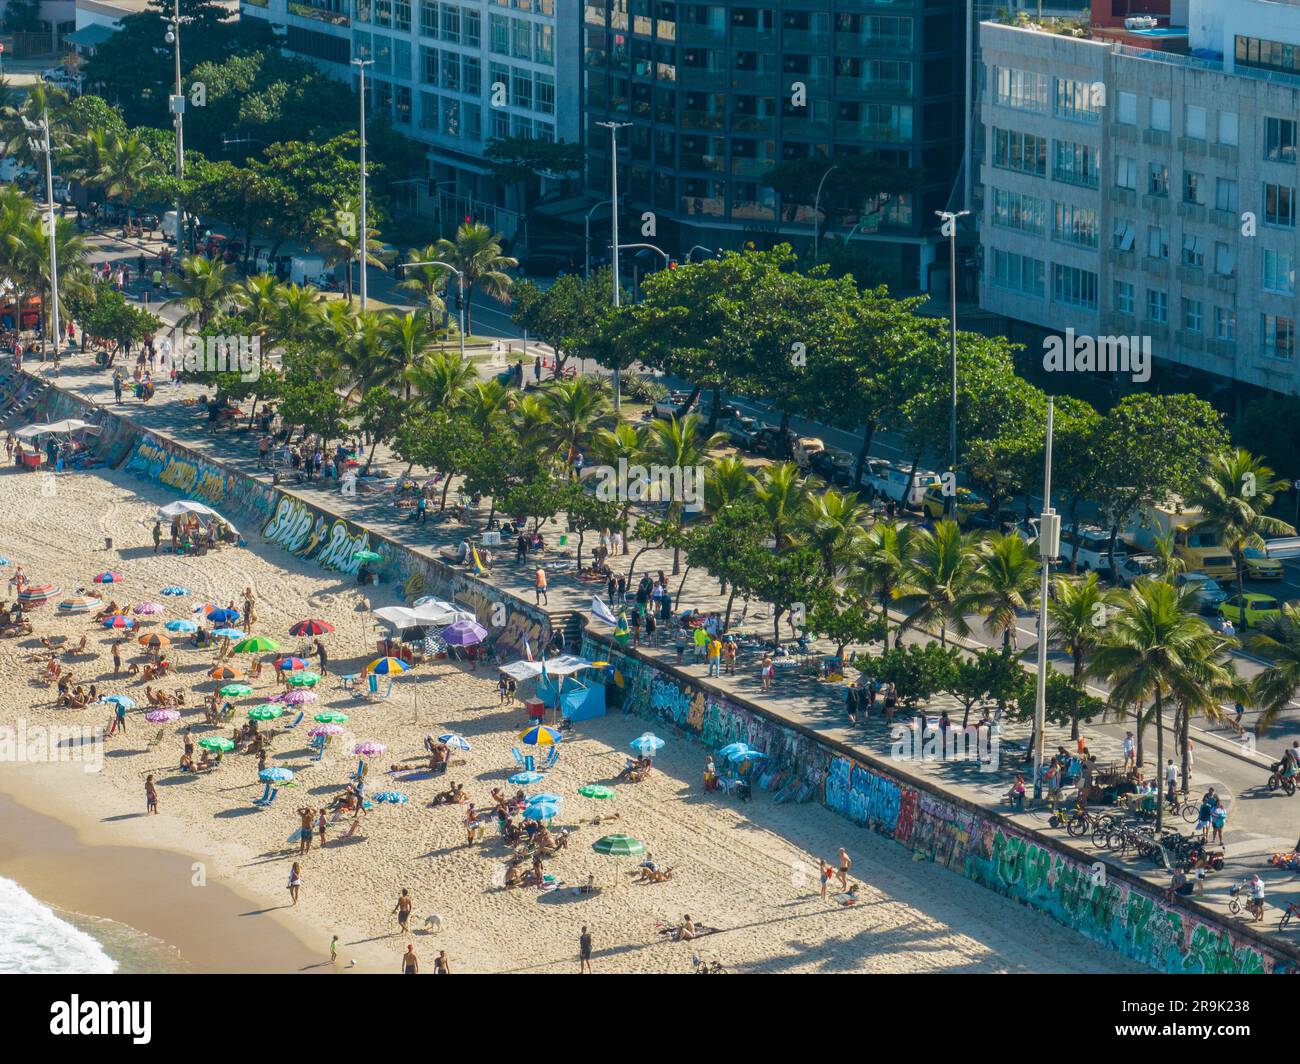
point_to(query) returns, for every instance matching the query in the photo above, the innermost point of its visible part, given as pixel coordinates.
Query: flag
(528, 649)
(602, 612)
(622, 632)
(478, 565)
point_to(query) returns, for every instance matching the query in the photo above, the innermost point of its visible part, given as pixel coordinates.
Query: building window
(1157, 306)
(471, 75)
(1225, 324)
(1124, 236)
(1019, 273)
(1279, 272)
(1279, 139)
(1225, 260)
(402, 105)
(1268, 55)
(1225, 194)
(1013, 150)
(451, 71)
(500, 26)
(429, 65)
(1015, 210)
(1160, 115)
(1193, 251)
(1078, 101)
(1194, 122)
(1158, 179)
(471, 32)
(430, 111)
(1075, 164)
(1228, 127)
(1021, 89)
(1075, 225)
(428, 22)
(1279, 337)
(546, 94)
(451, 23)
(1127, 112)
(473, 119)
(1123, 296)
(1076, 287)
(521, 39)
(1157, 242)
(1193, 188)
(1279, 205)
(1193, 315)
(543, 43)
(402, 21)
(521, 92)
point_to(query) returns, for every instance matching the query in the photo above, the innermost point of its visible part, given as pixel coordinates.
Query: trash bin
(536, 708)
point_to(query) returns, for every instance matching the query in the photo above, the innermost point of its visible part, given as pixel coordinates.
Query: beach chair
(519, 758)
(317, 746)
(552, 756)
(528, 763)
(156, 739)
(296, 721)
(268, 796)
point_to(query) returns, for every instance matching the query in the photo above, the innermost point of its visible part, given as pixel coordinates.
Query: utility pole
(949, 230)
(817, 214)
(1049, 541)
(361, 65)
(43, 127)
(173, 38)
(613, 128)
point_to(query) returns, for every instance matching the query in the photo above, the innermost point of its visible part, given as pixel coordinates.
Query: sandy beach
(748, 870)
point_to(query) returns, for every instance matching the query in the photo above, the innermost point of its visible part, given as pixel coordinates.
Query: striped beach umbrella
(275, 774)
(119, 620)
(296, 698)
(235, 690)
(109, 577)
(384, 666)
(646, 743)
(303, 679)
(369, 748)
(531, 776)
(266, 711)
(181, 626)
(392, 797)
(256, 644)
(79, 604)
(174, 590)
(225, 672)
(331, 716)
(149, 609)
(162, 716)
(596, 790)
(292, 664)
(155, 641)
(216, 742)
(38, 594)
(311, 626)
(540, 735)
(326, 729)
(456, 742)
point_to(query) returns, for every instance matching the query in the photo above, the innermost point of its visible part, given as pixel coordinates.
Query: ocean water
(36, 939)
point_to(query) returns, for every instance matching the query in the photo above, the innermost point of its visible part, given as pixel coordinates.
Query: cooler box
(536, 708)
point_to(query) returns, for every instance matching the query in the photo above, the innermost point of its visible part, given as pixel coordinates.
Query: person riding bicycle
(1291, 759)
(1255, 903)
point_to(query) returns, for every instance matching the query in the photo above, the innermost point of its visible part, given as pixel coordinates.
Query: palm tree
(1168, 562)
(1154, 647)
(127, 166)
(779, 491)
(485, 403)
(428, 281)
(627, 443)
(531, 425)
(443, 379)
(1235, 494)
(261, 306)
(577, 409)
(1279, 640)
(941, 576)
(727, 482)
(340, 243)
(1076, 617)
(300, 313)
(206, 289)
(677, 445)
(832, 524)
(409, 338)
(1006, 578)
(476, 253)
(363, 353)
(881, 564)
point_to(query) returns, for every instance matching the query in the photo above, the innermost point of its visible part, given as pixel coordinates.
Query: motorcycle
(1278, 778)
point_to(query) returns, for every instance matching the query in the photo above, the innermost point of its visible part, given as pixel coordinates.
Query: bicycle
(1236, 903)
(1292, 909)
(703, 967)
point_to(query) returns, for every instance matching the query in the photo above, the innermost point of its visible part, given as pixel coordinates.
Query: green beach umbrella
(331, 716)
(256, 644)
(596, 790)
(266, 711)
(216, 742)
(619, 846)
(303, 679)
(368, 556)
(235, 690)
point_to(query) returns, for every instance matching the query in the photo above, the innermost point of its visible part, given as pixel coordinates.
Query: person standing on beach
(117, 658)
(320, 825)
(410, 962)
(120, 723)
(845, 864)
(295, 882)
(306, 815)
(584, 952)
(826, 874)
(403, 911)
(334, 950)
(322, 657)
(150, 795)
(539, 585)
(441, 966)
(157, 535)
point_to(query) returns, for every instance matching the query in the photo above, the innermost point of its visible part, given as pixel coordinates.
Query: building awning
(90, 36)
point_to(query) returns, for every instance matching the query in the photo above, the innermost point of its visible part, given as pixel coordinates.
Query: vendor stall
(558, 685)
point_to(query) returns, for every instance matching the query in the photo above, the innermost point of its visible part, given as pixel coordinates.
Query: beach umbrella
(235, 690)
(229, 633)
(172, 590)
(311, 626)
(455, 741)
(303, 679)
(737, 756)
(38, 594)
(256, 644)
(550, 799)
(225, 672)
(206, 608)
(4, 561)
(296, 698)
(109, 577)
(220, 615)
(149, 609)
(370, 748)
(596, 790)
(619, 846)
(463, 633)
(126, 701)
(392, 797)
(154, 640)
(326, 729)
(181, 626)
(119, 620)
(367, 556)
(384, 666)
(540, 735)
(266, 711)
(161, 716)
(647, 743)
(216, 742)
(275, 774)
(78, 604)
(731, 748)
(541, 810)
(331, 716)
(291, 664)
(531, 776)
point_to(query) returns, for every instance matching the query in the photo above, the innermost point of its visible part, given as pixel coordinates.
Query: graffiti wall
(192, 477)
(1112, 910)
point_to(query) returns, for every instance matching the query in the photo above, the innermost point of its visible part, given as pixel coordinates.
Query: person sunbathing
(455, 796)
(178, 696)
(51, 671)
(71, 651)
(187, 763)
(514, 874)
(655, 875)
(134, 670)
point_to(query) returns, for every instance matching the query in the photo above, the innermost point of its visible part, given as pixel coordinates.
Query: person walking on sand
(441, 966)
(584, 952)
(295, 882)
(322, 657)
(765, 672)
(845, 864)
(539, 586)
(826, 873)
(307, 817)
(410, 962)
(150, 795)
(320, 826)
(117, 658)
(157, 535)
(334, 950)
(402, 910)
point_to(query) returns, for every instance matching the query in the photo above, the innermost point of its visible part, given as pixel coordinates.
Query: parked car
(805, 448)
(740, 430)
(890, 481)
(769, 443)
(833, 466)
(1259, 566)
(671, 404)
(1135, 567)
(968, 505)
(1209, 595)
(1256, 607)
(1089, 547)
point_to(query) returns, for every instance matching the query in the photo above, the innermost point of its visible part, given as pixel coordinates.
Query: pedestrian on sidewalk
(1171, 783)
(1130, 752)
(539, 586)
(117, 387)
(729, 655)
(610, 587)
(715, 657)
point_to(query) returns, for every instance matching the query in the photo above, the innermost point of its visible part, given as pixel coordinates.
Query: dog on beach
(434, 921)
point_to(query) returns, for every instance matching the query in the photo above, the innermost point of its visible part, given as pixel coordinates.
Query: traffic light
(672, 264)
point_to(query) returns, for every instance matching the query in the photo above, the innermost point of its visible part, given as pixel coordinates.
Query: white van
(890, 482)
(1089, 547)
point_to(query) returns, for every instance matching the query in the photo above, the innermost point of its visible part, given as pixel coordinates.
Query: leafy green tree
(476, 253)
(786, 581)
(842, 620)
(565, 315)
(380, 414)
(917, 670)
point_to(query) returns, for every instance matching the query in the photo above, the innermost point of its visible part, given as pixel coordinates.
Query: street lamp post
(586, 224)
(43, 127)
(460, 288)
(1049, 541)
(613, 128)
(817, 208)
(700, 247)
(173, 38)
(361, 65)
(950, 231)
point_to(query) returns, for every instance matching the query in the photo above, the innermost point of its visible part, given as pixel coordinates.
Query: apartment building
(1148, 187)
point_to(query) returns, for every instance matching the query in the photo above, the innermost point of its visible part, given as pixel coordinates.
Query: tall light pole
(361, 65)
(949, 230)
(1049, 542)
(817, 211)
(43, 127)
(460, 287)
(613, 128)
(586, 224)
(177, 102)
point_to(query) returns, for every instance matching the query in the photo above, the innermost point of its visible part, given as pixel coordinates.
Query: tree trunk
(690, 399)
(1185, 745)
(776, 625)
(711, 427)
(1245, 621)
(726, 620)
(1160, 762)
(1139, 719)
(862, 454)
(581, 533)
(446, 487)
(1076, 679)
(632, 567)
(677, 599)
(371, 457)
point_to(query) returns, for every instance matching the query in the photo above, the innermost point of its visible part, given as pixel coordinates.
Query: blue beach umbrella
(745, 755)
(181, 626)
(455, 741)
(554, 799)
(392, 797)
(647, 743)
(229, 633)
(275, 775)
(122, 700)
(174, 589)
(731, 748)
(527, 777)
(223, 616)
(541, 810)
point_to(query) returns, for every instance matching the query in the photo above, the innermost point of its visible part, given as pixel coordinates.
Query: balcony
(1156, 137)
(1119, 259)
(320, 14)
(752, 124)
(1156, 267)
(1222, 348)
(1126, 197)
(864, 88)
(711, 164)
(751, 167)
(1190, 341)
(1194, 212)
(1156, 204)
(714, 36)
(1192, 146)
(1190, 275)
(805, 127)
(1129, 134)
(701, 78)
(858, 43)
(702, 120)
(1228, 218)
(1227, 153)
(805, 41)
(1223, 283)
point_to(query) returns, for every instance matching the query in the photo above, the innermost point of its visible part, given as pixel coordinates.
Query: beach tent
(428, 615)
(56, 428)
(558, 684)
(185, 506)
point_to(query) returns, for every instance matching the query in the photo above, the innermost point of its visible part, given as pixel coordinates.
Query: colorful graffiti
(510, 623)
(1112, 912)
(164, 463)
(306, 532)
